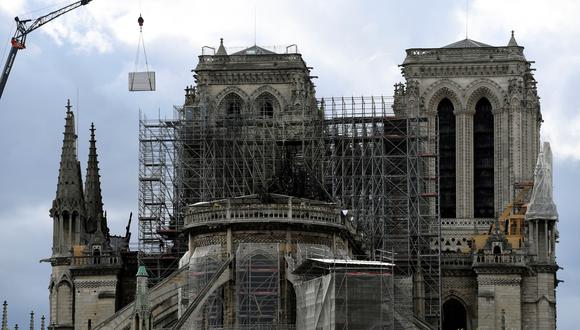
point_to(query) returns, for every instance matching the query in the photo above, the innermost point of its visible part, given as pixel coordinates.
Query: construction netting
(542, 204)
(346, 299)
(203, 264)
(257, 284)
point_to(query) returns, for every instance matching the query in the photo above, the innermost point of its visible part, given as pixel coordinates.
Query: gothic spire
(541, 205)
(42, 322)
(4, 316)
(93, 197)
(512, 42)
(32, 320)
(69, 175)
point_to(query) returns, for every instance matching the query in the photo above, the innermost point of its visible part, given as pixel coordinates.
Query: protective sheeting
(350, 299)
(315, 303)
(403, 307)
(257, 284)
(142, 81)
(202, 266)
(542, 204)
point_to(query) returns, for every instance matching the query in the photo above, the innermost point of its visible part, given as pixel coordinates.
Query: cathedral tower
(483, 111)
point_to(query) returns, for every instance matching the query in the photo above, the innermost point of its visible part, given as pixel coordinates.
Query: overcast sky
(354, 47)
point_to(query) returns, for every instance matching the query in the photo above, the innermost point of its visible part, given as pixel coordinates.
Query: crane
(23, 28)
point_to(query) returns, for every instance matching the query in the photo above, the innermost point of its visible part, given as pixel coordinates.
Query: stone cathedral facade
(491, 175)
(498, 218)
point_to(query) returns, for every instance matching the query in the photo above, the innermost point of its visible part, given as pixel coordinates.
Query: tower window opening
(446, 126)
(233, 105)
(483, 172)
(454, 315)
(265, 105)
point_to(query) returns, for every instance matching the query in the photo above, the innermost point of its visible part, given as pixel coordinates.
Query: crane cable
(141, 44)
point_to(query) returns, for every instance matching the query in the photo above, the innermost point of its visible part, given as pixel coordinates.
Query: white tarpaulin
(142, 81)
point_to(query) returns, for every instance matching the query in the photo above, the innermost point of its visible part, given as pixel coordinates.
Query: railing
(467, 223)
(95, 260)
(456, 260)
(291, 57)
(265, 213)
(513, 259)
(434, 53)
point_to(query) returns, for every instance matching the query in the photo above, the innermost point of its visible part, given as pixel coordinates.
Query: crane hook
(140, 20)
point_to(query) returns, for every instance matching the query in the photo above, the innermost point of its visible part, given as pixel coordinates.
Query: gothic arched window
(265, 104)
(446, 126)
(232, 104)
(483, 160)
(258, 278)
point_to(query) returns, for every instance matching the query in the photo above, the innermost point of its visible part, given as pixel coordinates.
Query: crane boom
(23, 28)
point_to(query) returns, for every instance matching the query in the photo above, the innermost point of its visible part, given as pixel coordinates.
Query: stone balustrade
(95, 260)
(467, 223)
(265, 213)
(456, 260)
(507, 259)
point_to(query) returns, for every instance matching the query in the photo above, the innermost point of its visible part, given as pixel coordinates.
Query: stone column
(501, 138)
(78, 229)
(70, 231)
(516, 144)
(55, 227)
(464, 162)
(61, 234)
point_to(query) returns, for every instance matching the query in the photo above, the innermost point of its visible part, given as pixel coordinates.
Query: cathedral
(265, 207)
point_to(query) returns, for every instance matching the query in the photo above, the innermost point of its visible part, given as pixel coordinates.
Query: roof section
(142, 271)
(314, 265)
(254, 50)
(467, 43)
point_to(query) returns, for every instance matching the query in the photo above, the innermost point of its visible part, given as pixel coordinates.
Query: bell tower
(484, 118)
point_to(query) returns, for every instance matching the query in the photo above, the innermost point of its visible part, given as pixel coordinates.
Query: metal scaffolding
(159, 227)
(353, 151)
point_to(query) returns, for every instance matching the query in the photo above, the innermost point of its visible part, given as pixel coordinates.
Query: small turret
(542, 215)
(542, 204)
(142, 312)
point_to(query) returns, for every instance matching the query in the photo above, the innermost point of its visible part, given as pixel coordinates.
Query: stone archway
(454, 315)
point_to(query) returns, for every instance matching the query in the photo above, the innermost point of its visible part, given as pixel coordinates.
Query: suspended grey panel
(142, 81)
